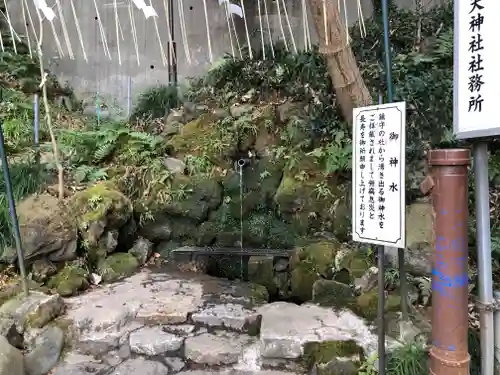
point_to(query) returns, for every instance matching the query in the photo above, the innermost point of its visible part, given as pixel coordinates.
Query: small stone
(11, 359)
(42, 269)
(241, 110)
(154, 341)
(140, 366)
(181, 329)
(175, 364)
(142, 250)
(174, 165)
(211, 349)
(281, 265)
(47, 348)
(228, 315)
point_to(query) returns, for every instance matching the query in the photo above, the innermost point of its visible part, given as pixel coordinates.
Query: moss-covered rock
(117, 266)
(333, 357)
(310, 263)
(312, 201)
(253, 190)
(192, 198)
(366, 304)
(69, 281)
(355, 263)
(42, 269)
(203, 138)
(332, 293)
(261, 271)
(98, 208)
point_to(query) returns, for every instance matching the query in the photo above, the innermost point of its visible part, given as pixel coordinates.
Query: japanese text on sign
(378, 190)
(476, 78)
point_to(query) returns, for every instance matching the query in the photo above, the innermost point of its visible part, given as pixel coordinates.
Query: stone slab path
(157, 323)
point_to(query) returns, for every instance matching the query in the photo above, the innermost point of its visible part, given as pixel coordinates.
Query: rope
(158, 37)
(209, 41)
(117, 32)
(185, 42)
(67, 40)
(23, 6)
(11, 29)
(325, 23)
(134, 32)
(281, 25)
(269, 28)
(236, 35)
(78, 30)
(261, 30)
(102, 31)
(250, 53)
(287, 19)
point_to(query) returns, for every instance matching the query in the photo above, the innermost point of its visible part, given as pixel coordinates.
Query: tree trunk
(350, 88)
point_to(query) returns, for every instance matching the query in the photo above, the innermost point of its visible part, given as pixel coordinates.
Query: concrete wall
(109, 77)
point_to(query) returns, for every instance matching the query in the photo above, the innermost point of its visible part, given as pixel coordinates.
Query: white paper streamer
(47, 11)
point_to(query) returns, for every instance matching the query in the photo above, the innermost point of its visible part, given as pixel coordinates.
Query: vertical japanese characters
(476, 63)
(379, 175)
(362, 167)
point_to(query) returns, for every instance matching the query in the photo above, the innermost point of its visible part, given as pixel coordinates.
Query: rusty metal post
(449, 174)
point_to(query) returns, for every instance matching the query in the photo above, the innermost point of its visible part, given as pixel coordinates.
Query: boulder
(47, 229)
(142, 250)
(11, 359)
(117, 266)
(310, 263)
(333, 357)
(33, 311)
(261, 271)
(100, 211)
(42, 269)
(313, 202)
(332, 293)
(192, 198)
(70, 280)
(202, 137)
(45, 351)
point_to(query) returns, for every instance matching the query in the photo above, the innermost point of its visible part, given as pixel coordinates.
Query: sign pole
(475, 107)
(13, 214)
(379, 148)
(483, 238)
(390, 98)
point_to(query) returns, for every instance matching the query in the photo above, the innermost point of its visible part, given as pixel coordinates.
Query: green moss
(321, 353)
(308, 264)
(261, 271)
(311, 200)
(117, 265)
(69, 281)
(366, 304)
(101, 203)
(355, 263)
(259, 294)
(332, 294)
(203, 138)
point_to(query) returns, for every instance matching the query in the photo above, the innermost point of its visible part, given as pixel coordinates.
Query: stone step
(158, 323)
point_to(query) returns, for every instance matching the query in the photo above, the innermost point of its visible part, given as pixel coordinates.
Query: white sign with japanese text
(378, 174)
(476, 78)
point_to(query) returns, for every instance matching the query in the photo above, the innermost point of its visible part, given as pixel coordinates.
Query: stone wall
(109, 76)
